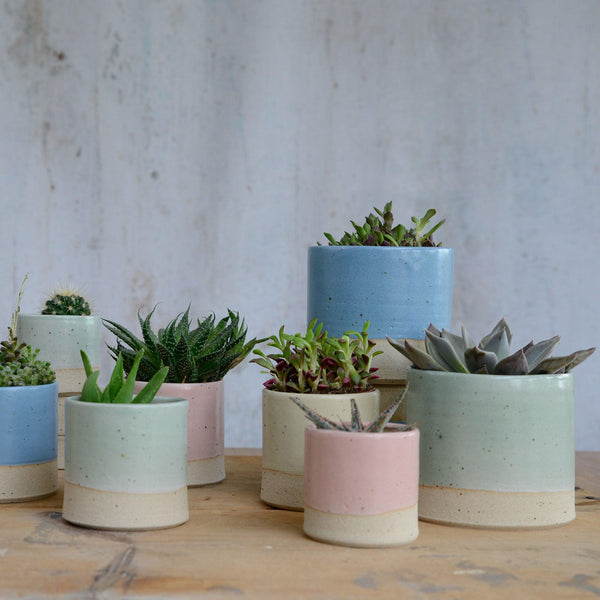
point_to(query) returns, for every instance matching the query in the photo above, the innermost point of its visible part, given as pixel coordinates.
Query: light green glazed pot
(125, 464)
(496, 451)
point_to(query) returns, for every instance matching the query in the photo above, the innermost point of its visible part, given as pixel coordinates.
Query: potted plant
(324, 373)
(64, 327)
(125, 454)
(197, 359)
(497, 429)
(361, 481)
(395, 276)
(28, 422)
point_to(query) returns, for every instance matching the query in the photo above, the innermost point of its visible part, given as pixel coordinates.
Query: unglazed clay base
(502, 510)
(125, 512)
(370, 531)
(205, 471)
(21, 483)
(282, 490)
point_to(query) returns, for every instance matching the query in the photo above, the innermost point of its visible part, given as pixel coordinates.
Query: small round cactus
(66, 302)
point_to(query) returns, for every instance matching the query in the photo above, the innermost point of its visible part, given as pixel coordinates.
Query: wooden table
(234, 546)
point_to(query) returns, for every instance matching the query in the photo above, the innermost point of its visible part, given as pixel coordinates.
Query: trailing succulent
(198, 355)
(19, 365)
(120, 390)
(316, 363)
(66, 302)
(379, 230)
(445, 351)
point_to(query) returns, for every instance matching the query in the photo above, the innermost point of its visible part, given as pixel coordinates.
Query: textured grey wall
(191, 151)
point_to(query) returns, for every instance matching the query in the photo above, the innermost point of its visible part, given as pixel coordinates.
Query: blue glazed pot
(28, 442)
(399, 290)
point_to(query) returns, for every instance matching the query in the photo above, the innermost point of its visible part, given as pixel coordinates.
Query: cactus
(379, 230)
(66, 302)
(316, 363)
(445, 351)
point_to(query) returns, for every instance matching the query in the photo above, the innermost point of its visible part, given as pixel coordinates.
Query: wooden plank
(235, 546)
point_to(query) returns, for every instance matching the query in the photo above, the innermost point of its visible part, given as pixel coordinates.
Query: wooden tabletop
(234, 546)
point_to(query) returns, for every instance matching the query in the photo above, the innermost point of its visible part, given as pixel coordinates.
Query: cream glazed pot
(361, 489)
(283, 439)
(205, 429)
(125, 464)
(496, 450)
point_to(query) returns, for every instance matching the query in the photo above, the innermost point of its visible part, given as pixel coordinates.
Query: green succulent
(120, 390)
(445, 351)
(316, 363)
(206, 353)
(379, 230)
(356, 424)
(19, 365)
(66, 302)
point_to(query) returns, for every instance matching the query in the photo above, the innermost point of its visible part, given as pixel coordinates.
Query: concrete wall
(176, 152)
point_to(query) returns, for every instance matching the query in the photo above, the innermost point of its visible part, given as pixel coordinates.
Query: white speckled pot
(125, 464)
(205, 434)
(283, 439)
(496, 451)
(59, 339)
(361, 489)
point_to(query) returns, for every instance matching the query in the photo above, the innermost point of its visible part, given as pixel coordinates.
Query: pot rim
(35, 316)
(160, 401)
(314, 394)
(187, 385)
(27, 387)
(382, 248)
(483, 377)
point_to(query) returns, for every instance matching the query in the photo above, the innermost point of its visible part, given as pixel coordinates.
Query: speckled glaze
(28, 442)
(496, 451)
(205, 434)
(125, 464)
(283, 439)
(361, 489)
(399, 290)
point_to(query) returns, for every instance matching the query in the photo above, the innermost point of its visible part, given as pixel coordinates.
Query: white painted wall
(180, 151)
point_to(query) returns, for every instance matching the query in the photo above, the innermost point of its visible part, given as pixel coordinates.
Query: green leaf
(150, 390)
(87, 366)
(116, 380)
(125, 394)
(91, 391)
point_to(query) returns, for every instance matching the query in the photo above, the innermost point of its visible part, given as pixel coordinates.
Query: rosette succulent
(445, 351)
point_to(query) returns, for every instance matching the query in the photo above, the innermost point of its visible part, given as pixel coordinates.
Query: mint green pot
(496, 451)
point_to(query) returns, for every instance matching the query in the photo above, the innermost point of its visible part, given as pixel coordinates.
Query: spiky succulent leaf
(480, 361)
(536, 353)
(444, 354)
(419, 358)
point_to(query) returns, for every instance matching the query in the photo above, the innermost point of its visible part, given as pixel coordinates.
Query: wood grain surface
(234, 546)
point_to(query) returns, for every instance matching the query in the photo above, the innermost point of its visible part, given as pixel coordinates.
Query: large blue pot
(399, 290)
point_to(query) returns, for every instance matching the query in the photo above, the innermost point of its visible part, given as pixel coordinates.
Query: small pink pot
(206, 460)
(361, 489)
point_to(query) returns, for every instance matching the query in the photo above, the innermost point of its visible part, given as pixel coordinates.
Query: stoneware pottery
(361, 489)
(59, 339)
(205, 433)
(283, 439)
(496, 451)
(125, 464)
(399, 290)
(28, 442)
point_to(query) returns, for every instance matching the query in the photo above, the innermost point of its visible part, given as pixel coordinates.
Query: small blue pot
(399, 290)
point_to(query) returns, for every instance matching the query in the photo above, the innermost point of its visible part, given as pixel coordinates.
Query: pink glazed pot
(205, 446)
(361, 489)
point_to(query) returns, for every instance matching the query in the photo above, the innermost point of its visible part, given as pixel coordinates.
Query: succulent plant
(19, 365)
(120, 390)
(445, 351)
(316, 363)
(65, 301)
(379, 230)
(198, 355)
(356, 424)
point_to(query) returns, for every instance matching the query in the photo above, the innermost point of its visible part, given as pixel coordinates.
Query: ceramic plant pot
(28, 442)
(205, 433)
(361, 489)
(283, 439)
(496, 451)
(400, 291)
(125, 464)
(59, 339)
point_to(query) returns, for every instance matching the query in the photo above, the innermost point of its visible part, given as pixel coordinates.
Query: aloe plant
(316, 363)
(119, 390)
(445, 351)
(198, 355)
(379, 230)
(66, 302)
